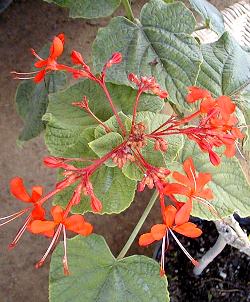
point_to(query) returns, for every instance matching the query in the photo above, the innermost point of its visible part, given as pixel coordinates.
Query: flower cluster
(215, 125)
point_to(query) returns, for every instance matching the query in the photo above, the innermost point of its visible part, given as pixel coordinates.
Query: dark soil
(226, 279)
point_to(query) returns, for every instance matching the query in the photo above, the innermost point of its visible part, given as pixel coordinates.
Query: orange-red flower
(197, 93)
(191, 184)
(75, 223)
(174, 221)
(50, 63)
(19, 191)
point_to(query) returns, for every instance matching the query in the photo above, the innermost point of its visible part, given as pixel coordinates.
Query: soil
(27, 24)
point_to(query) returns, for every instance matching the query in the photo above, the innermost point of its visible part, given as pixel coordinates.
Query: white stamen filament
(207, 204)
(238, 149)
(65, 258)
(195, 186)
(14, 216)
(20, 232)
(163, 254)
(54, 240)
(195, 262)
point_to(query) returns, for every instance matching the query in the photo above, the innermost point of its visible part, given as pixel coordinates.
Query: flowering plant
(108, 138)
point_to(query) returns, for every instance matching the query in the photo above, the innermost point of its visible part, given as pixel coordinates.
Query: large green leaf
(111, 186)
(88, 9)
(96, 276)
(156, 45)
(32, 100)
(66, 124)
(226, 67)
(211, 15)
(230, 187)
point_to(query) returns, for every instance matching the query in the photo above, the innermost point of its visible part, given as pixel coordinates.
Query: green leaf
(88, 9)
(211, 15)
(66, 124)
(229, 185)
(96, 276)
(32, 100)
(157, 37)
(111, 186)
(105, 144)
(226, 67)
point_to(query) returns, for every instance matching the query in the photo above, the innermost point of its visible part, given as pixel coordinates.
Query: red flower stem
(119, 121)
(170, 120)
(135, 107)
(48, 196)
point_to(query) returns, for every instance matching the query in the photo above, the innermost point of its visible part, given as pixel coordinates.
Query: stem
(135, 106)
(138, 226)
(201, 27)
(103, 85)
(210, 255)
(128, 9)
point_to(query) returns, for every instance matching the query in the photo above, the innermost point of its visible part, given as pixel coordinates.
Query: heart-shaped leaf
(156, 45)
(96, 276)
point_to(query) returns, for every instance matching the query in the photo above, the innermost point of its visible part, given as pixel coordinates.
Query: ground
(27, 24)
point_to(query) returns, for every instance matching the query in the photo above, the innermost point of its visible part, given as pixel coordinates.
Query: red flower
(174, 221)
(50, 63)
(197, 93)
(74, 223)
(191, 184)
(18, 190)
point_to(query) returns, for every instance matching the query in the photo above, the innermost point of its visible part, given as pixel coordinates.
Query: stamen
(162, 272)
(65, 259)
(15, 72)
(54, 240)
(195, 262)
(195, 185)
(20, 233)
(14, 216)
(208, 205)
(238, 149)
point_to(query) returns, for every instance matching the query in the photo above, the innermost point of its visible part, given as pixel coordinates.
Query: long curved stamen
(65, 259)
(53, 242)
(195, 262)
(35, 54)
(238, 149)
(195, 185)
(20, 232)
(14, 216)
(208, 205)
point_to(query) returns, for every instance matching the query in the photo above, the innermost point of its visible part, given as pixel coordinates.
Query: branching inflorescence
(215, 125)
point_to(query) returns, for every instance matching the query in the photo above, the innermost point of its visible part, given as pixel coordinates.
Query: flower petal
(37, 192)
(188, 229)
(202, 180)
(42, 226)
(175, 188)
(18, 190)
(57, 214)
(158, 231)
(56, 48)
(146, 239)
(169, 215)
(40, 76)
(76, 223)
(183, 179)
(38, 213)
(183, 214)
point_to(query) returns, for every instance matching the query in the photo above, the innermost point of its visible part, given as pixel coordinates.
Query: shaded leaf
(88, 9)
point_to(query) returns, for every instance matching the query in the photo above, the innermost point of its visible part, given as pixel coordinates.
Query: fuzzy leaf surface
(96, 276)
(88, 9)
(156, 45)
